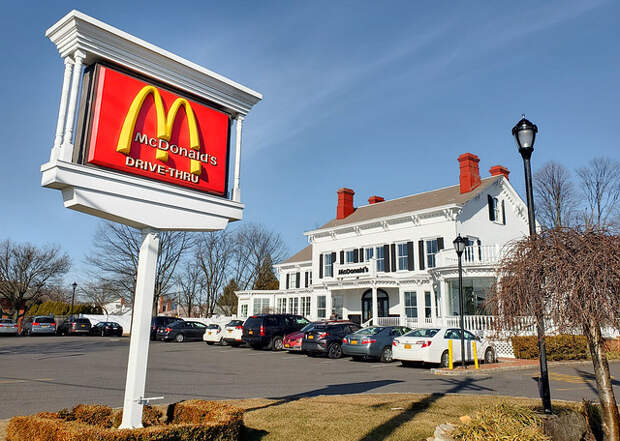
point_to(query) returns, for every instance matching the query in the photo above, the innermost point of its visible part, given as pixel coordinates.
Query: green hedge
(186, 421)
(559, 347)
(62, 308)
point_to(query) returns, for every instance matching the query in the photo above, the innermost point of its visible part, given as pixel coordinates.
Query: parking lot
(49, 373)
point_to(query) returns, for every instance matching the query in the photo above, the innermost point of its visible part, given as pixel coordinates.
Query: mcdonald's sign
(138, 127)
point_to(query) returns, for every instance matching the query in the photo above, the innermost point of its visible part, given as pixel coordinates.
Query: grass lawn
(364, 417)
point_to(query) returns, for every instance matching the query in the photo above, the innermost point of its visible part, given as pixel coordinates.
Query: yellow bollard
(450, 355)
(473, 343)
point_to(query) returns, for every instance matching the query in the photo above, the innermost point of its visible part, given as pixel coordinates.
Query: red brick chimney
(375, 199)
(345, 203)
(470, 174)
(497, 170)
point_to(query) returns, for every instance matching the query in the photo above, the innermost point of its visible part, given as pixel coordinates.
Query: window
(295, 305)
(380, 259)
(320, 307)
(292, 281)
(305, 306)
(244, 310)
(497, 211)
(279, 309)
(328, 265)
(261, 305)
(411, 304)
(349, 256)
(428, 310)
(403, 257)
(283, 306)
(432, 248)
(369, 253)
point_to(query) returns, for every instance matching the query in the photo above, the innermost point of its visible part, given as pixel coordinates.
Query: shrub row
(186, 421)
(62, 308)
(559, 347)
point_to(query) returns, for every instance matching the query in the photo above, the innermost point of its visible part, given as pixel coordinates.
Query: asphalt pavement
(50, 373)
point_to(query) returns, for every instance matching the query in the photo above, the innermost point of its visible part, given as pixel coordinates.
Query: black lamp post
(74, 285)
(459, 247)
(525, 134)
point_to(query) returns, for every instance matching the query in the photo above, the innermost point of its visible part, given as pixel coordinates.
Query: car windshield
(253, 322)
(308, 327)
(212, 326)
(235, 323)
(45, 319)
(83, 321)
(422, 332)
(372, 330)
(178, 324)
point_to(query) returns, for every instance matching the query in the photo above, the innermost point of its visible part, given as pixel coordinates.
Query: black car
(181, 331)
(161, 322)
(327, 338)
(107, 328)
(74, 325)
(268, 330)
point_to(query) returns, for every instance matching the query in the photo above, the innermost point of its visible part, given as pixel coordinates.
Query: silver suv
(39, 324)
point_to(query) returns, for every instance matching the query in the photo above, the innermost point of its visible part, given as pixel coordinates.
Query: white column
(419, 295)
(236, 193)
(62, 110)
(140, 331)
(328, 304)
(375, 307)
(66, 153)
(401, 303)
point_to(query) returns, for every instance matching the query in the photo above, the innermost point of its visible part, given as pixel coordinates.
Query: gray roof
(408, 204)
(304, 255)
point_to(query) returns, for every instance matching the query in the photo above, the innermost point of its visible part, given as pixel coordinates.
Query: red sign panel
(143, 129)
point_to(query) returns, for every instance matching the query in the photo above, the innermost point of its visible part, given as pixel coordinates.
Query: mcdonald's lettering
(148, 130)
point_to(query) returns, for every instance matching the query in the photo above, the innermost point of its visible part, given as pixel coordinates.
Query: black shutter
(306, 283)
(393, 258)
(341, 257)
(320, 266)
(356, 255)
(503, 213)
(439, 243)
(410, 262)
(333, 260)
(287, 279)
(361, 254)
(297, 282)
(386, 258)
(491, 210)
(421, 253)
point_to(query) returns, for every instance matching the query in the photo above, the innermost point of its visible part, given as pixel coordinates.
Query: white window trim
(398, 256)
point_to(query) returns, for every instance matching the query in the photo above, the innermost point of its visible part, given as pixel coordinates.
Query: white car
(430, 345)
(232, 333)
(213, 334)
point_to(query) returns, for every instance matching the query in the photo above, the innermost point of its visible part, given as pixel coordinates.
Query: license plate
(311, 337)
(287, 345)
(353, 342)
(83, 326)
(249, 332)
(230, 330)
(209, 333)
(407, 346)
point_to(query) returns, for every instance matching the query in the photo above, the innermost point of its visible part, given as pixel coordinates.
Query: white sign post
(149, 205)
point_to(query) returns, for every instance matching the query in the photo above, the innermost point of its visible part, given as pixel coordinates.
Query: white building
(394, 260)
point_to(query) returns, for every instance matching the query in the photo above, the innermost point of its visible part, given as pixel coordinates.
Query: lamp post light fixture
(459, 247)
(524, 133)
(74, 285)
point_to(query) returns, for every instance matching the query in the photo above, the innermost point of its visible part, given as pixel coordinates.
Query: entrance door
(383, 304)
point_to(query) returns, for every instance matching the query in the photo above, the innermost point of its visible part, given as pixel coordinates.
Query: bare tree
(27, 272)
(255, 244)
(214, 256)
(556, 199)
(115, 254)
(572, 277)
(100, 293)
(600, 184)
(192, 288)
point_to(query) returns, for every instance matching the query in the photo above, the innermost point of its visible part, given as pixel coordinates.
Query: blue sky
(380, 97)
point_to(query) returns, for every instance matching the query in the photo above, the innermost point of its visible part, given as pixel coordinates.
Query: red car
(292, 341)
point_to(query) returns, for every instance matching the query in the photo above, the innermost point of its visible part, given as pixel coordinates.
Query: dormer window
(497, 210)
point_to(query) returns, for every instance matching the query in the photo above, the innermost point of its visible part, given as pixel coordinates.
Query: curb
(481, 372)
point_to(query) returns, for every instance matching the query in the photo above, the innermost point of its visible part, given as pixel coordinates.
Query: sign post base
(140, 331)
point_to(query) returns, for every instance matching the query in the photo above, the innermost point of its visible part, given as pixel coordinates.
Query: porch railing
(473, 255)
(477, 323)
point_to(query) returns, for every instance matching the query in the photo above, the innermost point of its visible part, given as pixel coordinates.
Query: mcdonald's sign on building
(139, 127)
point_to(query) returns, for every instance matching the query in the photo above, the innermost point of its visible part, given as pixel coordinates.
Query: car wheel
(209, 343)
(334, 351)
(445, 362)
(179, 338)
(386, 355)
(276, 344)
(489, 356)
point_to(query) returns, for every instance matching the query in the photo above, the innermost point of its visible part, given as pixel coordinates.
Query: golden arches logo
(164, 125)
